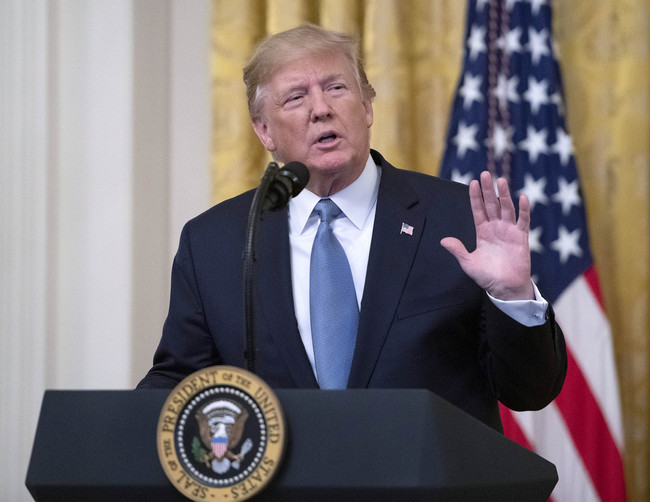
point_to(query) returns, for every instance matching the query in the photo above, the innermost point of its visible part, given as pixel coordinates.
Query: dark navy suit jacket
(423, 322)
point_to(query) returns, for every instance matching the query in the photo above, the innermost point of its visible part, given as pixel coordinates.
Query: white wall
(104, 153)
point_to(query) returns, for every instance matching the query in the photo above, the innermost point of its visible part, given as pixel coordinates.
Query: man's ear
(262, 131)
(367, 105)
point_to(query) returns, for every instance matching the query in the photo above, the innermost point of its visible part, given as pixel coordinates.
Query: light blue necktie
(332, 302)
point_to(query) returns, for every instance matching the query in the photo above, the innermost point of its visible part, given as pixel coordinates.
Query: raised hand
(500, 264)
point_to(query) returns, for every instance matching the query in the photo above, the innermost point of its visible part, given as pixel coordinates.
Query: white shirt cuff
(527, 312)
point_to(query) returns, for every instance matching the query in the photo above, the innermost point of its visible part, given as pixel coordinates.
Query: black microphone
(288, 182)
(274, 191)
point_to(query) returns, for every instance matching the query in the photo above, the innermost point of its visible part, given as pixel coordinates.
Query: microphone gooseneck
(275, 190)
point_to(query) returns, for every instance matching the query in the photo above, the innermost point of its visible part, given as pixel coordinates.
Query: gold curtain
(413, 51)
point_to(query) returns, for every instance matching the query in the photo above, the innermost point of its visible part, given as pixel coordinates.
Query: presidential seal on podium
(221, 435)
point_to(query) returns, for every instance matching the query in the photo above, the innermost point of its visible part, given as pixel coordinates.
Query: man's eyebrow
(301, 85)
(292, 87)
(335, 76)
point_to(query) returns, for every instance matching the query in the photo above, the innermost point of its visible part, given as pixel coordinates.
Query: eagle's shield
(219, 446)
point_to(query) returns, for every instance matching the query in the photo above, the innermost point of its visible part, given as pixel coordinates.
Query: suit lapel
(391, 254)
(275, 297)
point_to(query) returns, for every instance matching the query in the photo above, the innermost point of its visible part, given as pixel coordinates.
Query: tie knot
(327, 210)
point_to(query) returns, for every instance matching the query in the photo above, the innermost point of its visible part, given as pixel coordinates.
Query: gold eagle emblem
(221, 426)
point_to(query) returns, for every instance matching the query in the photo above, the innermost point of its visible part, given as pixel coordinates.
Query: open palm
(500, 264)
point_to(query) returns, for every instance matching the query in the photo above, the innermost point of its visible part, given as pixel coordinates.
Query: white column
(172, 152)
(150, 190)
(185, 191)
(24, 176)
(190, 114)
(104, 152)
(92, 209)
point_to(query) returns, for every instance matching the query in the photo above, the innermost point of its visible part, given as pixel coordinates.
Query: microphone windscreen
(300, 176)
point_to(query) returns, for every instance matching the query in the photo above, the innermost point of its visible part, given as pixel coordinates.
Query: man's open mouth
(327, 138)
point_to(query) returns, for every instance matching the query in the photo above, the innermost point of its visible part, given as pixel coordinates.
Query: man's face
(313, 112)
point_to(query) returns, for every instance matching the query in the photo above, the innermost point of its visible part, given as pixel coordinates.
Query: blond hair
(306, 39)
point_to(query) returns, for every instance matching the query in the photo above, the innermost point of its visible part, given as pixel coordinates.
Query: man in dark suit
(469, 326)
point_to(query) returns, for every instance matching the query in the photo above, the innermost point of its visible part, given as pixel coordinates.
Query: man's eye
(337, 88)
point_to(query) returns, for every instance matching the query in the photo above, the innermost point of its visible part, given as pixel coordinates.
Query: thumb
(455, 247)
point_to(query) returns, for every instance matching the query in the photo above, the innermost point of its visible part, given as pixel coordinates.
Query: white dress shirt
(353, 228)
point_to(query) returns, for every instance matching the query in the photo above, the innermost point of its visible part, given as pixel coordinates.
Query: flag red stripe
(591, 276)
(512, 429)
(591, 434)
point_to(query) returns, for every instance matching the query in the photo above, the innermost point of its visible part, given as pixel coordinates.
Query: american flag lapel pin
(406, 229)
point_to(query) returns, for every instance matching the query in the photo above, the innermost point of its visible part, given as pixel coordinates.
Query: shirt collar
(356, 200)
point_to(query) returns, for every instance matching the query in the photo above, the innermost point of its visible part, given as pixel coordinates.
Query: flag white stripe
(588, 335)
(547, 433)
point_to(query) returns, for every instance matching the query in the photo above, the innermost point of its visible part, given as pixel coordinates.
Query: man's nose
(320, 107)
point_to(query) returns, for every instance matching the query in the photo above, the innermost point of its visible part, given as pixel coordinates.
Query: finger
(455, 247)
(492, 207)
(476, 203)
(507, 206)
(524, 214)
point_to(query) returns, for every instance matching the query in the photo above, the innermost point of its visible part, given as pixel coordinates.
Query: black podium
(355, 445)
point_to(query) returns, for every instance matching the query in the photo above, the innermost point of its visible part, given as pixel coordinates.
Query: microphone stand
(249, 263)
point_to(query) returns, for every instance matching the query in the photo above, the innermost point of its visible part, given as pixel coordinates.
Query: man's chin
(334, 161)
(324, 170)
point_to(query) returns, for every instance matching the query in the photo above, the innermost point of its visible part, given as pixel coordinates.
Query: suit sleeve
(186, 344)
(526, 366)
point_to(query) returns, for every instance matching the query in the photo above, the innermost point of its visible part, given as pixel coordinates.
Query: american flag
(406, 229)
(509, 117)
